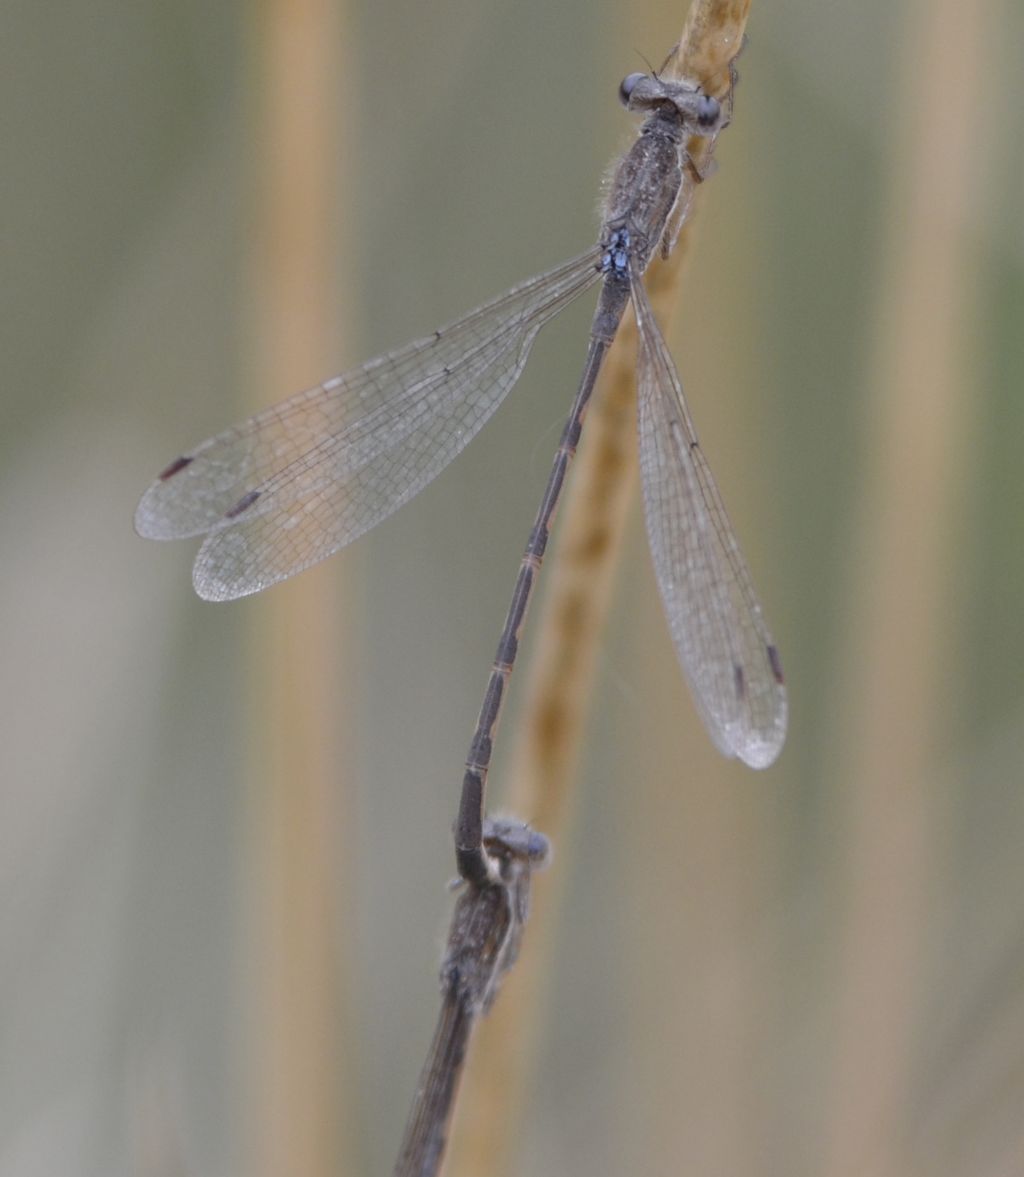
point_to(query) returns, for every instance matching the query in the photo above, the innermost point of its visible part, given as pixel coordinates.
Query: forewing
(295, 483)
(716, 621)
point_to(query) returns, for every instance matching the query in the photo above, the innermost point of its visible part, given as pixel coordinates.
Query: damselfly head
(648, 93)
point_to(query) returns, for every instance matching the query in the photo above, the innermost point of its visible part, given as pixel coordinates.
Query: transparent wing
(295, 483)
(716, 622)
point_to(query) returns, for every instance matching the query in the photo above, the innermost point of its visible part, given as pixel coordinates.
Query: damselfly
(295, 483)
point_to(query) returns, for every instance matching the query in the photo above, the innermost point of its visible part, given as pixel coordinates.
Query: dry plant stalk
(571, 625)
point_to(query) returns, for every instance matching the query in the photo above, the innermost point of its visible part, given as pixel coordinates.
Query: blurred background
(226, 833)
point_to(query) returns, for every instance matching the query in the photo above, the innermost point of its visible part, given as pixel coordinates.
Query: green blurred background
(813, 970)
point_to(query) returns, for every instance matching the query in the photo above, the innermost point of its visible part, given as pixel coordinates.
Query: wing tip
(762, 753)
(147, 520)
(209, 586)
(222, 571)
(760, 747)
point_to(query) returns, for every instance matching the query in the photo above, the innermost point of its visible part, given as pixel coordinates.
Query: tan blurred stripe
(298, 1122)
(896, 706)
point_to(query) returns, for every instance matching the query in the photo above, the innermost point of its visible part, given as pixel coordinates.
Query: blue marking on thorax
(616, 254)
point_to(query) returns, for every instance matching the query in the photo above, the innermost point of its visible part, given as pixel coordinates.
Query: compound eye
(628, 86)
(708, 110)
